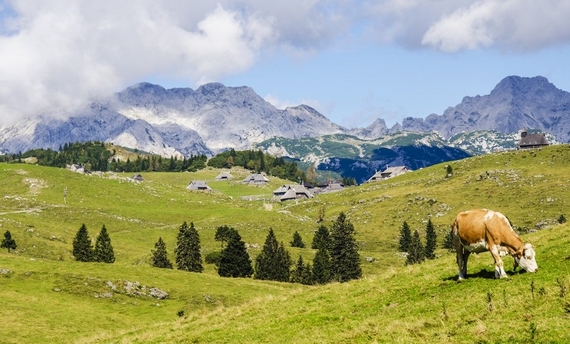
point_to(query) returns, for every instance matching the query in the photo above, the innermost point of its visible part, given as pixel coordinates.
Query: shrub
(213, 258)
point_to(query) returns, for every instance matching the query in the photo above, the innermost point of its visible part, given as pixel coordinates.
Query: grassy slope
(392, 303)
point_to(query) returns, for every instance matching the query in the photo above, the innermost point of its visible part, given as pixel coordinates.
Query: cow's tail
(455, 227)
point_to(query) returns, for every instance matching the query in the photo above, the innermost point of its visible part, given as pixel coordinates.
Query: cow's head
(526, 258)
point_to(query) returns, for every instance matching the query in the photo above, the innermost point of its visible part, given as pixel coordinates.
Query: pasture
(47, 296)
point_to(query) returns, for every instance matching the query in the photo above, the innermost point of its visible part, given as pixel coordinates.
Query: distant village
(304, 190)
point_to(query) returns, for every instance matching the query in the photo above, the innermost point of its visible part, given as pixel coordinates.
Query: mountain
(514, 104)
(225, 117)
(177, 121)
(213, 118)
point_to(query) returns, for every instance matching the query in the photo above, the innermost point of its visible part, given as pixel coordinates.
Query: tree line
(336, 259)
(259, 162)
(95, 156)
(411, 243)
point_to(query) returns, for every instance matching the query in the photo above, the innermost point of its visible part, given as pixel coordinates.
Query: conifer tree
(345, 260)
(274, 262)
(321, 238)
(283, 266)
(322, 266)
(416, 252)
(448, 241)
(188, 256)
(297, 240)
(302, 273)
(8, 242)
(235, 261)
(307, 275)
(297, 273)
(82, 249)
(103, 251)
(431, 241)
(405, 237)
(160, 255)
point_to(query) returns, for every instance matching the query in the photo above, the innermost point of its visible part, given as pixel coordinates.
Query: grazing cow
(480, 230)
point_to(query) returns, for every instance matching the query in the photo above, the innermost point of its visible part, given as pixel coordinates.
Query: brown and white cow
(480, 230)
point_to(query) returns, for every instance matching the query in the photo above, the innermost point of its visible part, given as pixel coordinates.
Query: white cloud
(56, 55)
(60, 54)
(520, 25)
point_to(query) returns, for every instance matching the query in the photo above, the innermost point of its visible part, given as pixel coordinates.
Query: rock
(158, 293)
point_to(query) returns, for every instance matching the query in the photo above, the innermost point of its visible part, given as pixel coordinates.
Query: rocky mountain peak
(211, 88)
(145, 88)
(523, 86)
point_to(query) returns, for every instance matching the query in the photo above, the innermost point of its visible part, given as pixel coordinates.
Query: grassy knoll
(47, 296)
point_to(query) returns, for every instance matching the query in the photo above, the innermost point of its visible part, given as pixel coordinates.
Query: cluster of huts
(283, 193)
(305, 190)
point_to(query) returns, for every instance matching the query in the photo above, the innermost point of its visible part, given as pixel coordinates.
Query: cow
(480, 230)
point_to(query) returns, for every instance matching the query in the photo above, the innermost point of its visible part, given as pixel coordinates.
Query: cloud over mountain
(58, 56)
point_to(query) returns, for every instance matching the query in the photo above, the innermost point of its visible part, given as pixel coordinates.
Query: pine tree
(448, 241)
(8, 242)
(297, 274)
(321, 238)
(405, 237)
(307, 275)
(297, 240)
(273, 262)
(302, 273)
(160, 255)
(431, 241)
(416, 252)
(188, 256)
(345, 260)
(103, 251)
(322, 266)
(82, 250)
(283, 266)
(235, 261)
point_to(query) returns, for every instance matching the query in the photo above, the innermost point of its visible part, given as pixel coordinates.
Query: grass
(48, 296)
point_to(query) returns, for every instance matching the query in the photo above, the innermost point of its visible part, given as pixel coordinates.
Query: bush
(213, 258)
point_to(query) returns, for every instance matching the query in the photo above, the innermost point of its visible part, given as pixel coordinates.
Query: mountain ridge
(214, 117)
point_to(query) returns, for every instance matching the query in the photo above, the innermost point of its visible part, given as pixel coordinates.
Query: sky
(354, 61)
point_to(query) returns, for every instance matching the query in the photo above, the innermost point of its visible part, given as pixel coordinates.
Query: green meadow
(48, 297)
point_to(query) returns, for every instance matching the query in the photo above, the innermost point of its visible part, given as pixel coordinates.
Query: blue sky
(352, 60)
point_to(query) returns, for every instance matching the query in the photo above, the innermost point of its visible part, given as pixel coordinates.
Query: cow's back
(470, 225)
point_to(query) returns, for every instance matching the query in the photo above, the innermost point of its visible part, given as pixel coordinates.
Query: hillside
(392, 303)
(350, 156)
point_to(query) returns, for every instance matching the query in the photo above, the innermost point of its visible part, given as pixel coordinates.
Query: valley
(47, 296)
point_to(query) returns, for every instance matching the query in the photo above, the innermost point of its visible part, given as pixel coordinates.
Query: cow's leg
(459, 260)
(499, 269)
(459, 250)
(465, 259)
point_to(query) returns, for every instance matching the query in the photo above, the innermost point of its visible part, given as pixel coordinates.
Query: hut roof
(224, 175)
(198, 185)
